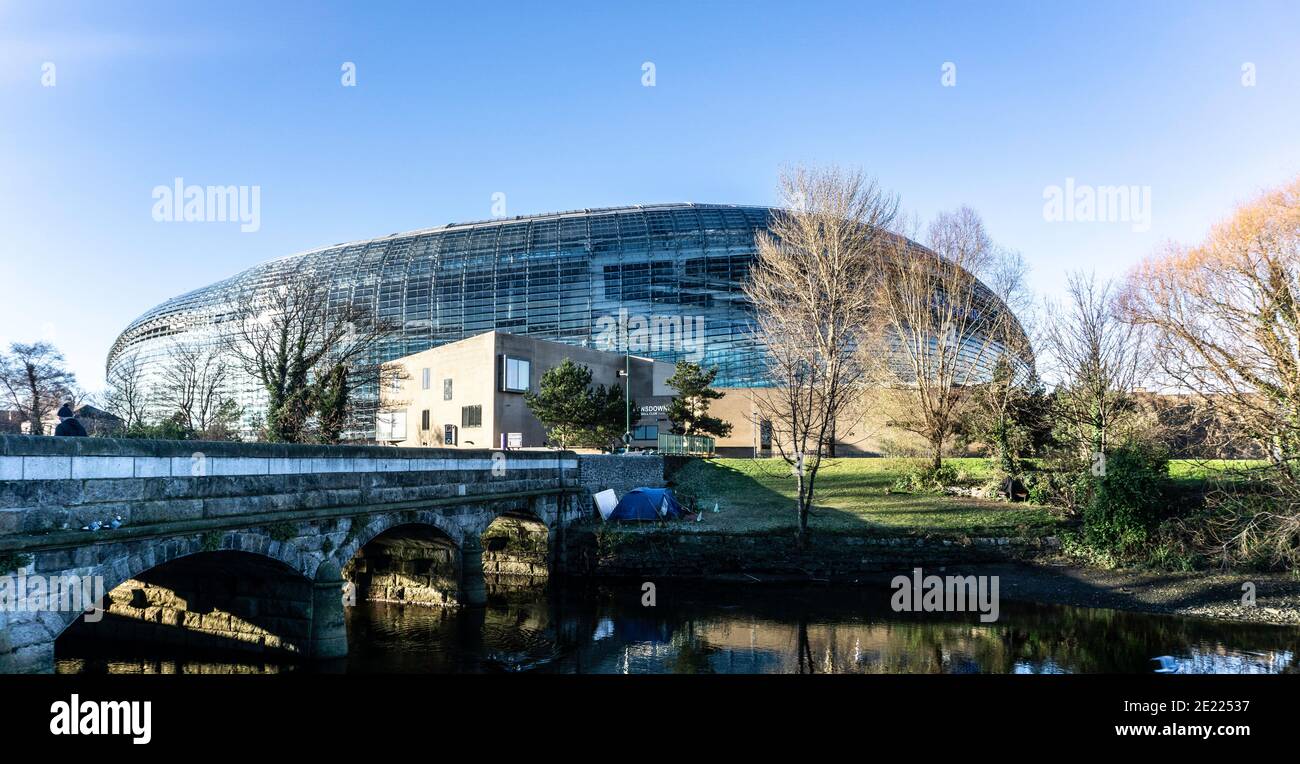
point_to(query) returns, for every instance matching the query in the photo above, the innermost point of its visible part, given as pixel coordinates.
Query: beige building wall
(863, 432)
(427, 375)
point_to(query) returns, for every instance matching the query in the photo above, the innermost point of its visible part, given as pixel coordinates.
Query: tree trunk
(801, 536)
(1002, 440)
(34, 414)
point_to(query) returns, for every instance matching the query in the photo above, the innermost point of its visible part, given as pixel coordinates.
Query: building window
(645, 432)
(390, 426)
(426, 379)
(471, 416)
(446, 389)
(449, 435)
(515, 374)
(424, 419)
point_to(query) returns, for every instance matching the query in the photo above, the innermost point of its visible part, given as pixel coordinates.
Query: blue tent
(646, 504)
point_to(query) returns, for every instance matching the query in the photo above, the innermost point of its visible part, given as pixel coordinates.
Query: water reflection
(698, 629)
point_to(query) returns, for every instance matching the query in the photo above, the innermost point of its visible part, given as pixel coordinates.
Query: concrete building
(470, 394)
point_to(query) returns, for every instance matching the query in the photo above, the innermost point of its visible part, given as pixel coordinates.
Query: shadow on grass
(851, 498)
(748, 499)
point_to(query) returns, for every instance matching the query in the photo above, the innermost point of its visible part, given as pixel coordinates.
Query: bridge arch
(518, 548)
(116, 568)
(432, 558)
(408, 563)
(217, 598)
(379, 524)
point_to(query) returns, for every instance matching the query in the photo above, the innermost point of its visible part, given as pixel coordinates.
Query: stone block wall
(516, 552)
(598, 472)
(424, 573)
(618, 551)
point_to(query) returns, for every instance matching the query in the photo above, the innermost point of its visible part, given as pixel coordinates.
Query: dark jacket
(70, 427)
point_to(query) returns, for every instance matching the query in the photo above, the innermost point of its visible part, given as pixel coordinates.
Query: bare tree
(1225, 317)
(1098, 360)
(34, 381)
(1225, 320)
(127, 395)
(1004, 406)
(194, 388)
(940, 326)
(303, 348)
(812, 306)
(342, 396)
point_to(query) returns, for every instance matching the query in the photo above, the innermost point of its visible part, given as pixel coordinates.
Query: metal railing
(686, 445)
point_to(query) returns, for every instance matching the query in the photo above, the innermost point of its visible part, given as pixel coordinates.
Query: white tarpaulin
(605, 502)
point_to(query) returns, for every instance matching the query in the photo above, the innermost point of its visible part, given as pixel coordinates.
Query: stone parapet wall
(64, 484)
(38, 458)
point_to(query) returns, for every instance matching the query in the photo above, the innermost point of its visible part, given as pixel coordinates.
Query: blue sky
(545, 103)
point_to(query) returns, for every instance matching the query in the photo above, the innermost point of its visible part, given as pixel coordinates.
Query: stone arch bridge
(295, 515)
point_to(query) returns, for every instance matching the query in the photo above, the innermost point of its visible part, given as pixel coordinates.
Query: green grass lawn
(1191, 471)
(852, 496)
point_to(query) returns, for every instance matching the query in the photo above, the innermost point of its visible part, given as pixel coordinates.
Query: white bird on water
(1168, 664)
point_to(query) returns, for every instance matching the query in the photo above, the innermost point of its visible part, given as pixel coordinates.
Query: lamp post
(627, 396)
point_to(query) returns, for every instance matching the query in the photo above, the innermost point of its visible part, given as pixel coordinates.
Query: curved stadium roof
(553, 276)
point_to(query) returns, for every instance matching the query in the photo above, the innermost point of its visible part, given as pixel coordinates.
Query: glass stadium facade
(664, 280)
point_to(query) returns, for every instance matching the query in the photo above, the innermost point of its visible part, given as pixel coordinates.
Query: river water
(739, 628)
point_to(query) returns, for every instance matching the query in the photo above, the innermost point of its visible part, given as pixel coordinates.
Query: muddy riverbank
(1030, 570)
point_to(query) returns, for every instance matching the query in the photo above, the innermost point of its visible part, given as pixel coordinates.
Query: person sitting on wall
(68, 424)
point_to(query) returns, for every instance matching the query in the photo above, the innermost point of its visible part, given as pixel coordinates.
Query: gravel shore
(1203, 594)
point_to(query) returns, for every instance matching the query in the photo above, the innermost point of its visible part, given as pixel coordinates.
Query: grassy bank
(862, 526)
(853, 496)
